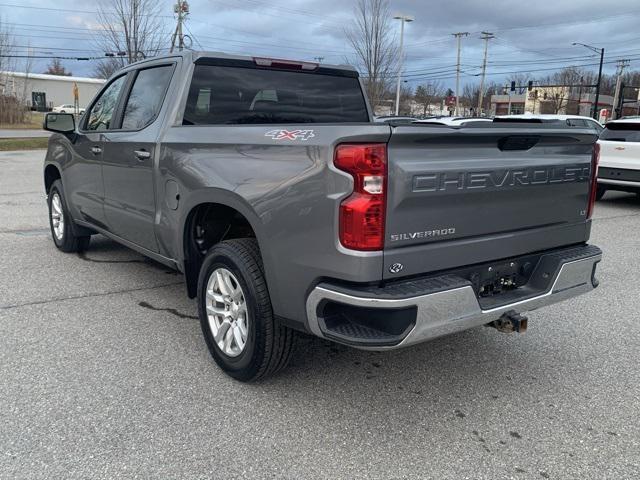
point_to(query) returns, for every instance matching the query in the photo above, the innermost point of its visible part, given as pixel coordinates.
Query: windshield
(621, 132)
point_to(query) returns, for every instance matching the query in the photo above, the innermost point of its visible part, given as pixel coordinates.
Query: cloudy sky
(532, 37)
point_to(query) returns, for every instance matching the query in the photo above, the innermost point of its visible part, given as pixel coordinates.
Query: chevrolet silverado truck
(268, 185)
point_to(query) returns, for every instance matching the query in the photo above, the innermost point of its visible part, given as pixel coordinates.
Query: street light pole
(595, 103)
(594, 111)
(403, 19)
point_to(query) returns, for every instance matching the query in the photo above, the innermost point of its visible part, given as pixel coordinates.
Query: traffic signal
(513, 86)
(530, 85)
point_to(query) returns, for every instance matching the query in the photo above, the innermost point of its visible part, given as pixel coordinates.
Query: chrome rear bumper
(455, 309)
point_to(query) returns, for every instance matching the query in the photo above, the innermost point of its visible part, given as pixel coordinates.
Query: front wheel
(61, 223)
(236, 317)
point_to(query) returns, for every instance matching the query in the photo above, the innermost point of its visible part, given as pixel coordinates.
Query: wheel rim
(227, 312)
(57, 216)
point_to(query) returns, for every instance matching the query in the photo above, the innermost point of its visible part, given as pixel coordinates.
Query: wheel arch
(221, 218)
(51, 173)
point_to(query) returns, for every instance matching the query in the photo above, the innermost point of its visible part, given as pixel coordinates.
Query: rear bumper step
(413, 311)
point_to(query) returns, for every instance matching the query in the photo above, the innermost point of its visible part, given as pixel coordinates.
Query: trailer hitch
(510, 322)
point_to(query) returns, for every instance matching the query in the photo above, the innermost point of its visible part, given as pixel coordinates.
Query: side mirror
(59, 122)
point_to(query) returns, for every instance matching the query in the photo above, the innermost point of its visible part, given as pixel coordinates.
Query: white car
(66, 108)
(619, 167)
(571, 120)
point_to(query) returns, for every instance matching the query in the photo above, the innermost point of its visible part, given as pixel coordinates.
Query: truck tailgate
(459, 196)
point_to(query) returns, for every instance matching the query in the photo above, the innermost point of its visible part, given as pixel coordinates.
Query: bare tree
(106, 68)
(374, 46)
(6, 47)
(469, 97)
(428, 93)
(558, 90)
(406, 97)
(133, 27)
(56, 68)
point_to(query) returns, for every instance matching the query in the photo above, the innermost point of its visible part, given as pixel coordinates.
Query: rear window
(621, 132)
(237, 95)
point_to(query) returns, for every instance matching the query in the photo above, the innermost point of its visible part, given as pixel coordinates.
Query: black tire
(268, 344)
(67, 242)
(600, 191)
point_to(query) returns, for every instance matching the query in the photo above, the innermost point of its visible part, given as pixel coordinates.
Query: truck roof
(195, 55)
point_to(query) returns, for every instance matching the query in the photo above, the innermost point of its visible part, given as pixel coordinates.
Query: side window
(576, 122)
(595, 126)
(146, 97)
(102, 111)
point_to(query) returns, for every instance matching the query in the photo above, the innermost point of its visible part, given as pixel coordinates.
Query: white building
(42, 91)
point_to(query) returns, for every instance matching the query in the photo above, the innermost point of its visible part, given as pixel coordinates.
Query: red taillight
(595, 158)
(362, 213)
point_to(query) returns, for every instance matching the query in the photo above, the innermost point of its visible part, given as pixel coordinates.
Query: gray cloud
(538, 31)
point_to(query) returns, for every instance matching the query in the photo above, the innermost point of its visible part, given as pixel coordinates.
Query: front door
(129, 160)
(83, 175)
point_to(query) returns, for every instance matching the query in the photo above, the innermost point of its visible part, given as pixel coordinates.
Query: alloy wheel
(57, 216)
(227, 312)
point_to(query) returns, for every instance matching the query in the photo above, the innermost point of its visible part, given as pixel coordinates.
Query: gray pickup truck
(268, 185)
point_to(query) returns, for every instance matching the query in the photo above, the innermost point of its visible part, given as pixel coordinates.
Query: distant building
(556, 100)
(411, 107)
(43, 92)
(508, 104)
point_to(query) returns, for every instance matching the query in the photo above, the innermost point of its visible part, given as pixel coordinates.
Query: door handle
(142, 154)
(96, 150)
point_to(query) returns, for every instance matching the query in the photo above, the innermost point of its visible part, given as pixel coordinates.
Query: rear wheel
(236, 317)
(61, 223)
(600, 191)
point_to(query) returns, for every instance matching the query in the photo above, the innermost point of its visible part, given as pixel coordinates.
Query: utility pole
(579, 96)
(181, 9)
(458, 36)
(621, 65)
(403, 19)
(486, 36)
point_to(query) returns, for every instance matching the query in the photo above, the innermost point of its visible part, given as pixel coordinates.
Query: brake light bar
(362, 214)
(287, 64)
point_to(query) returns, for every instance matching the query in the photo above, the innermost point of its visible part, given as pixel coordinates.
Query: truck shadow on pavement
(451, 365)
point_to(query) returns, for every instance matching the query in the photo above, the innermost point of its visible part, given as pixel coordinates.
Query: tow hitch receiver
(510, 322)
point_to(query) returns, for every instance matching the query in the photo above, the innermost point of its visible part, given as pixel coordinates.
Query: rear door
(459, 196)
(128, 166)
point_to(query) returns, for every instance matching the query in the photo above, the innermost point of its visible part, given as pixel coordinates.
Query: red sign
(451, 100)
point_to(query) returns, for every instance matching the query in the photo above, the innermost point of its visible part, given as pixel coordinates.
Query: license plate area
(499, 278)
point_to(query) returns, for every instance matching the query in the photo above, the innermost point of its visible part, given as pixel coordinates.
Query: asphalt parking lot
(104, 374)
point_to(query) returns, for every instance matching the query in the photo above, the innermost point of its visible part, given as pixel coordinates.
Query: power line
(428, 77)
(52, 57)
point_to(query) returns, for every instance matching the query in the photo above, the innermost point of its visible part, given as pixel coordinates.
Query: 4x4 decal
(290, 134)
